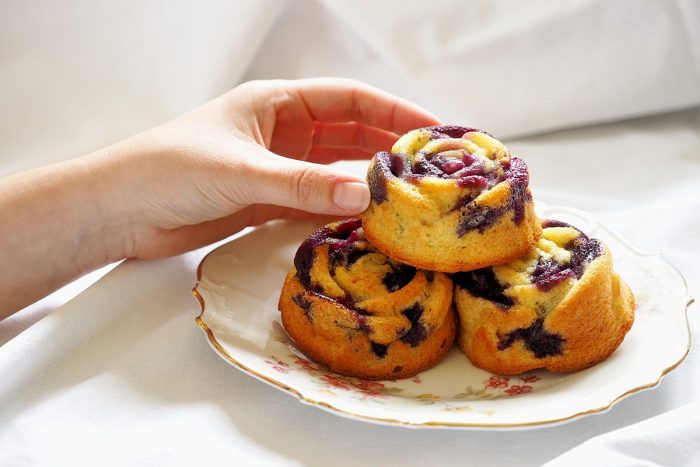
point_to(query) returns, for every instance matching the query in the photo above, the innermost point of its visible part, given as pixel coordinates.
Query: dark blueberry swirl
(484, 284)
(549, 272)
(480, 218)
(470, 157)
(337, 264)
(536, 339)
(338, 234)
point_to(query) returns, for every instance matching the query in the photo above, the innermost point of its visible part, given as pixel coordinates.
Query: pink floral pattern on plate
(330, 382)
(241, 322)
(495, 387)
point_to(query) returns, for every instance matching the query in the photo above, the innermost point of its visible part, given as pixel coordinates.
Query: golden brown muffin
(361, 313)
(559, 307)
(450, 199)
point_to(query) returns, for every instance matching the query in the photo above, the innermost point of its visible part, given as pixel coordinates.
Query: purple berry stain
(473, 181)
(303, 260)
(398, 277)
(548, 272)
(449, 131)
(303, 303)
(480, 218)
(518, 177)
(483, 283)
(386, 165)
(536, 339)
(417, 332)
(380, 350)
(447, 165)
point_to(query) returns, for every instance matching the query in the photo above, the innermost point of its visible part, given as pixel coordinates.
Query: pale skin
(255, 154)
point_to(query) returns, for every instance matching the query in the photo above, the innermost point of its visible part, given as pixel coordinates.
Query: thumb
(310, 187)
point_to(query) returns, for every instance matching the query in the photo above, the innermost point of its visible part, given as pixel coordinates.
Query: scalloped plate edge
(328, 407)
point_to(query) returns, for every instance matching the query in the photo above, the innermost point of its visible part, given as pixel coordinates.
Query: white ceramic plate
(239, 285)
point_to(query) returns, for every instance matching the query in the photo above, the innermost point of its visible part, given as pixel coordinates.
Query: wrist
(54, 231)
(105, 191)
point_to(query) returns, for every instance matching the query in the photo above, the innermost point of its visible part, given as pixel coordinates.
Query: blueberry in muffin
(450, 199)
(362, 313)
(560, 306)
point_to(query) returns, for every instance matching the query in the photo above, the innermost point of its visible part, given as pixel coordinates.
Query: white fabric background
(120, 375)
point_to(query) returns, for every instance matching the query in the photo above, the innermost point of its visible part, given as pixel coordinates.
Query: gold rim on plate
(432, 424)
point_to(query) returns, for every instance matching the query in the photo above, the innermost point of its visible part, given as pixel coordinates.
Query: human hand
(255, 154)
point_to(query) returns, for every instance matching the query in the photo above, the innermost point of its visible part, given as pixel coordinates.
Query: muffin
(362, 313)
(450, 199)
(559, 306)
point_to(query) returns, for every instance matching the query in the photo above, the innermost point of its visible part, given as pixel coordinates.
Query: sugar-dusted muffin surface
(362, 313)
(560, 306)
(450, 199)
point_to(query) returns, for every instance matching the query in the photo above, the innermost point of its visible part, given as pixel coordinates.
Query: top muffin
(450, 198)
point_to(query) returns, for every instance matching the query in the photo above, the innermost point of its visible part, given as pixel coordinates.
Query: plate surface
(239, 284)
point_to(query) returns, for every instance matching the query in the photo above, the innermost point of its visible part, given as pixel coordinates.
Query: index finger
(345, 100)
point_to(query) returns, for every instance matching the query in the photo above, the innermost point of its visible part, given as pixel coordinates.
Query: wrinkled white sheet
(668, 439)
(120, 375)
(78, 75)
(514, 67)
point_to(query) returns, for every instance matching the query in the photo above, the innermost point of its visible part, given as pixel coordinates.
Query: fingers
(323, 120)
(321, 155)
(348, 141)
(353, 135)
(344, 100)
(306, 186)
(265, 212)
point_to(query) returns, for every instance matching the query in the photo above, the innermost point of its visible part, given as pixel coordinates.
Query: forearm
(54, 227)
(195, 180)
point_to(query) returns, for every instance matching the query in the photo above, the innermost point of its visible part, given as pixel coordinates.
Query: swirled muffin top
(340, 263)
(541, 278)
(387, 299)
(452, 166)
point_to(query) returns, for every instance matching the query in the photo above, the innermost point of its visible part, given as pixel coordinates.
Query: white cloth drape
(668, 439)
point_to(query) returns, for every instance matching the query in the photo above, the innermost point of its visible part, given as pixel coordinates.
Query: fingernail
(351, 196)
